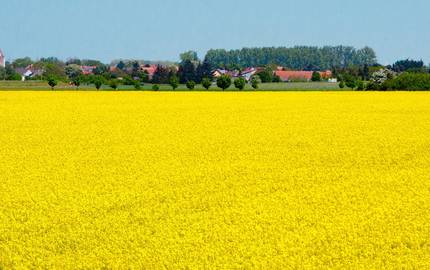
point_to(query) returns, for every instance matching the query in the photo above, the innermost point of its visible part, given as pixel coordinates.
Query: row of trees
(299, 57)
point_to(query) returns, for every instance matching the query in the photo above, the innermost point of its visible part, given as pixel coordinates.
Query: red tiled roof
(287, 75)
(151, 69)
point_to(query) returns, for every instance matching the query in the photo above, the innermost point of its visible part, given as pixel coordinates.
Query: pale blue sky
(161, 29)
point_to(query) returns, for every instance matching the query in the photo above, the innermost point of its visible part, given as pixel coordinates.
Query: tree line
(298, 58)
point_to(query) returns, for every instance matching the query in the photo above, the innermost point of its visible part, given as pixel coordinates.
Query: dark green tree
(189, 56)
(113, 84)
(121, 65)
(206, 83)
(191, 85)
(161, 75)
(187, 71)
(98, 82)
(316, 76)
(77, 81)
(174, 82)
(240, 83)
(266, 75)
(223, 82)
(52, 82)
(254, 82)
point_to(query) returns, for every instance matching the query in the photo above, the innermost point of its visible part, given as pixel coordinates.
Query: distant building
(247, 73)
(291, 75)
(2, 59)
(219, 72)
(149, 69)
(29, 72)
(88, 70)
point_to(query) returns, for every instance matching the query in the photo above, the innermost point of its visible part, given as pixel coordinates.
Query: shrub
(360, 85)
(206, 83)
(155, 87)
(316, 76)
(341, 85)
(98, 83)
(240, 83)
(254, 82)
(223, 82)
(191, 85)
(174, 82)
(52, 82)
(113, 84)
(137, 85)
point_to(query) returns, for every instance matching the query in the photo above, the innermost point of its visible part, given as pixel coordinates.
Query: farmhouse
(218, 72)
(248, 73)
(87, 70)
(29, 71)
(2, 59)
(149, 69)
(291, 75)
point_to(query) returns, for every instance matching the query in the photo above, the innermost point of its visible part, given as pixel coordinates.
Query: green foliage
(161, 75)
(52, 82)
(266, 75)
(360, 85)
(298, 58)
(72, 71)
(174, 82)
(54, 70)
(22, 62)
(240, 83)
(206, 83)
(189, 56)
(191, 85)
(187, 71)
(223, 82)
(203, 70)
(121, 65)
(113, 84)
(254, 82)
(342, 84)
(155, 87)
(408, 81)
(350, 83)
(98, 81)
(316, 76)
(77, 81)
(2, 73)
(127, 80)
(276, 79)
(137, 85)
(409, 66)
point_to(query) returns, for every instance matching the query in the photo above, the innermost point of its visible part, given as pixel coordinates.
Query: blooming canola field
(194, 180)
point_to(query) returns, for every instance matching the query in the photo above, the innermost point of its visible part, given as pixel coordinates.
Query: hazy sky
(161, 29)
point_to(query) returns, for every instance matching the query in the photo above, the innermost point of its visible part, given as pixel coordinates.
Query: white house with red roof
(2, 59)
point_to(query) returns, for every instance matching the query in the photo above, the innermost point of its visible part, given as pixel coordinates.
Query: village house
(29, 72)
(219, 72)
(88, 70)
(247, 73)
(2, 59)
(149, 69)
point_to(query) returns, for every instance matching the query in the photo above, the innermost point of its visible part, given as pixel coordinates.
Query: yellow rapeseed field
(326, 180)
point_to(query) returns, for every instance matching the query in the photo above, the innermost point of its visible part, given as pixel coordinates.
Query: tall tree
(187, 71)
(189, 56)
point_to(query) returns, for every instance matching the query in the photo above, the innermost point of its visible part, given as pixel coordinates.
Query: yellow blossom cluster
(194, 180)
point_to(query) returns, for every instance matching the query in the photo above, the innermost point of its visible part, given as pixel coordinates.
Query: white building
(2, 59)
